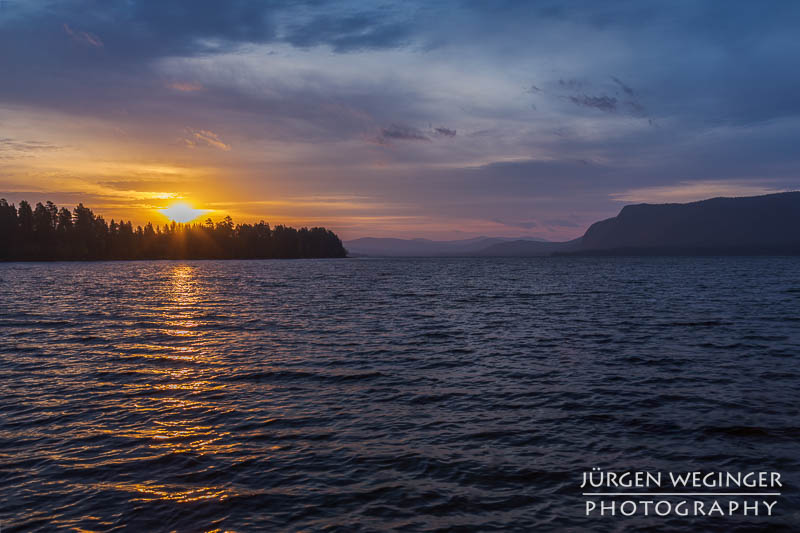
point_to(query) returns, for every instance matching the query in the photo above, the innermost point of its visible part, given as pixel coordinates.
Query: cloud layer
(436, 119)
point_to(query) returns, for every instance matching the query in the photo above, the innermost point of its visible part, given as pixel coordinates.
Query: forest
(47, 233)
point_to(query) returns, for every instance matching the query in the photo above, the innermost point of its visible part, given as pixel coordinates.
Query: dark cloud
(401, 132)
(603, 103)
(636, 108)
(97, 54)
(632, 104)
(354, 32)
(139, 30)
(445, 132)
(15, 149)
(575, 91)
(629, 91)
(571, 84)
(25, 146)
(728, 52)
(398, 132)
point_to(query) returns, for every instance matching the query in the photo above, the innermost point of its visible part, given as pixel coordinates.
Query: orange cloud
(185, 87)
(692, 191)
(204, 138)
(83, 37)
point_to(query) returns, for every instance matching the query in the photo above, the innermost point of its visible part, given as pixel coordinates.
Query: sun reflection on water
(179, 315)
(173, 399)
(144, 492)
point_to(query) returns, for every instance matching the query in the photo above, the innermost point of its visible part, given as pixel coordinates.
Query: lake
(376, 394)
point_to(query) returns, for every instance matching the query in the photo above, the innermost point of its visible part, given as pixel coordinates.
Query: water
(375, 394)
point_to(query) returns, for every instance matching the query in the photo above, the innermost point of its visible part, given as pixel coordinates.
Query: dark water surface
(374, 394)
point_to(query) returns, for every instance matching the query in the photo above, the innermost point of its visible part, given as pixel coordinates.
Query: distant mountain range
(372, 246)
(753, 225)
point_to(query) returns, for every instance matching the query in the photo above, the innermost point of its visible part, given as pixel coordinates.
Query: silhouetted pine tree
(48, 233)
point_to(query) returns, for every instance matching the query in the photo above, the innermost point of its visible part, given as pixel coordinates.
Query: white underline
(681, 493)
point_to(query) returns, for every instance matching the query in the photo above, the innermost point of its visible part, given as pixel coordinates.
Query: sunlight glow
(182, 212)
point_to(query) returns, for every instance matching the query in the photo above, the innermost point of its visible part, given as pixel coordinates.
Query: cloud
(83, 37)
(603, 103)
(7, 143)
(690, 191)
(523, 224)
(400, 132)
(397, 132)
(185, 87)
(365, 30)
(15, 149)
(571, 84)
(629, 91)
(205, 138)
(303, 83)
(632, 103)
(575, 91)
(637, 108)
(145, 185)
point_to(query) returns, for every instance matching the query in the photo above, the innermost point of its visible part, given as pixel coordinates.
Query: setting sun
(182, 212)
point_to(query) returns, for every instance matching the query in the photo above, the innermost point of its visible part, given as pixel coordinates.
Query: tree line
(47, 233)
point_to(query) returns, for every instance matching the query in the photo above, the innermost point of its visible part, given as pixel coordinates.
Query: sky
(443, 120)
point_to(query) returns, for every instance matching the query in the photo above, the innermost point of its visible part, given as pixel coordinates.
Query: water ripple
(415, 395)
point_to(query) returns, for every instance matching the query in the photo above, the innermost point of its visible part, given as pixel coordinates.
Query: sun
(182, 212)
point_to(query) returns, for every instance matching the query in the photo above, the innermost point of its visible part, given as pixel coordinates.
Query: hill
(523, 248)
(748, 225)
